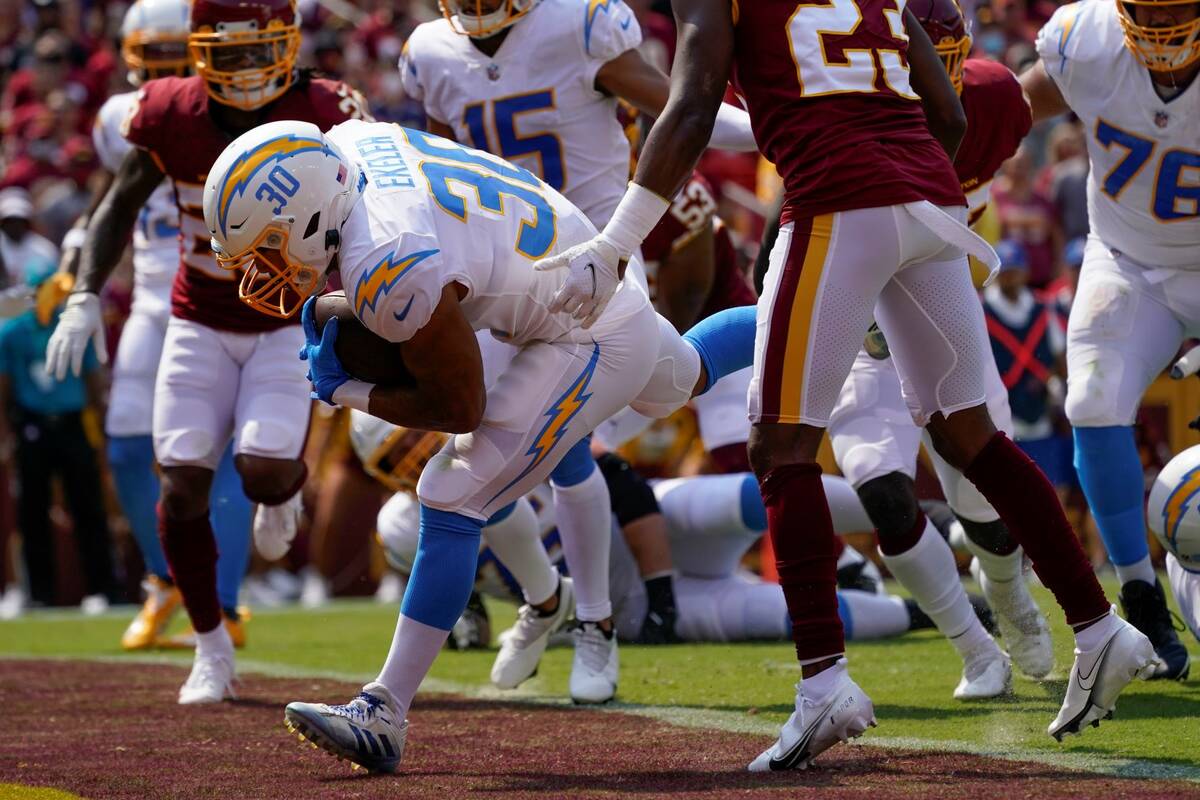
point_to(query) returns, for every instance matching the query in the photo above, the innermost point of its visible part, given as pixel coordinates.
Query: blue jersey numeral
(1176, 185)
(546, 146)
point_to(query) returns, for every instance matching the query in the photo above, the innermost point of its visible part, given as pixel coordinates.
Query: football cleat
(367, 731)
(524, 643)
(1145, 607)
(987, 672)
(595, 666)
(856, 571)
(210, 681)
(161, 603)
(1022, 624)
(1099, 675)
(473, 630)
(275, 527)
(818, 724)
(187, 639)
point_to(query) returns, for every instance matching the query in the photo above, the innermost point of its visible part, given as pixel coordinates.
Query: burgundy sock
(730, 458)
(1026, 502)
(801, 531)
(191, 551)
(895, 545)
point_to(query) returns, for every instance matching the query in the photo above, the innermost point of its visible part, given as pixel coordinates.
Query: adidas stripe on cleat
(366, 731)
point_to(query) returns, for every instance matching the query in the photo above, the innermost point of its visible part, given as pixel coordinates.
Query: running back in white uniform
(155, 260)
(1139, 289)
(432, 213)
(535, 102)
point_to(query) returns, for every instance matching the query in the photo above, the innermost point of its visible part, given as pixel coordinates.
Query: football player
(875, 440)
(873, 220)
(154, 44)
(537, 82)
(434, 242)
(1128, 71)
(226, 370)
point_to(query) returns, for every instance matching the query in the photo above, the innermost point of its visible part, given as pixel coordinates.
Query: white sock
(929, 572)
(584, 516)
(215, 642)
(517, 546)
(1137, 571)
(820, 685)
(414, 647)
(871, 616)
(1094, 635)
(999, 569)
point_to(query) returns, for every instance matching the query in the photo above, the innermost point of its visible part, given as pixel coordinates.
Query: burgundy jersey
(170, 120)
(998, 117)
(692, 210)
(826, 85)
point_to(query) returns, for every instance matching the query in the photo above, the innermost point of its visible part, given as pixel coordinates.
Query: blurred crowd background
(60, 59)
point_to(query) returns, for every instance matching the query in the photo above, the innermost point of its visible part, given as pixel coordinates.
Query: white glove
(80, 323)
(15, 301)
(592, 279)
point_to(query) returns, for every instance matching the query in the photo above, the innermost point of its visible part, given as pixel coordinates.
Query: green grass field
(1156, 732)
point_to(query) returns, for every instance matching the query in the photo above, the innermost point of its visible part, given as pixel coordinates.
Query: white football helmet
(154, 37)
(275, 202)
(391, 454)
(1173, 511)
(480, 19)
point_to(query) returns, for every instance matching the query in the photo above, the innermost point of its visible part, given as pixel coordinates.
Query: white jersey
(535, 102)
(156, 235)
(434, 212)
(1144, 186)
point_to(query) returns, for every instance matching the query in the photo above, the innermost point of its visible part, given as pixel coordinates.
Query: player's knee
(448, 481)
(270, 481)
(130, 411)
(891, 503)
(632, 497)
(993, 537)
(1091, 402)
(273, 435)
(961, 436)
(185, 492)
(776, 445)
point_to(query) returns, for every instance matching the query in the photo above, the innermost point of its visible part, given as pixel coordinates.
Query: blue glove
(325, 371)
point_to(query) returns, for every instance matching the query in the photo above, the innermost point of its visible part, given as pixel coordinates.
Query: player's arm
(439, 129)
(1042, 93)
(110, 225)
(73, 241)
(635, 80)
(685, 277)
(943, 110)
(443, 357)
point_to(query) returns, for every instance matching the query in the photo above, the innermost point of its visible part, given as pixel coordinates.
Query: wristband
(74, 239)
(636, 215)
(354, 394)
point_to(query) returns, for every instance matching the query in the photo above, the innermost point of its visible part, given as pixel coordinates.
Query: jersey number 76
(1173, 199)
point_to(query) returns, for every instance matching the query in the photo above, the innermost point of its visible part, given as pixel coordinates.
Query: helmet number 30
(277, 188)
(833, 56)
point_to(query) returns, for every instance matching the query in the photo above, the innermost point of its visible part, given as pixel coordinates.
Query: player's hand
(592, 279)
(325, 371)
(15, 301)
(80, 323)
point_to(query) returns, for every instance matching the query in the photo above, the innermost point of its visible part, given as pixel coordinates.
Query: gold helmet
(245, 49)
(948, 30)
(391, 454)
(1160, 49)
(469, 17)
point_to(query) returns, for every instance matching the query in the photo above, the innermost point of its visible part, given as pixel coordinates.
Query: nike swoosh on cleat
(400, 315)
(592, 268)
(1094, 672)
(789, 759)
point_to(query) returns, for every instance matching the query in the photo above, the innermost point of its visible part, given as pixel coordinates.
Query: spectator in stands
(1064, 179)
(1028, 217)
(1029, 347)
(20, 246)
(45, 418)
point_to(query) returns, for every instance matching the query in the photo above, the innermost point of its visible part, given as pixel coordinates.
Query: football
(366, 356)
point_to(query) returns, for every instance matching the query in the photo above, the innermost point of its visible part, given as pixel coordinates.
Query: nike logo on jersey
(625, 22)
(400, 315)
(592, 269)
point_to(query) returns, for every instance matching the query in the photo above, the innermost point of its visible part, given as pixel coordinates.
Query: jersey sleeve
(110, 145)
(336, 101)
(149, 117)
(1074, 38)
(609, 29)
(410, 74)
(395, 287)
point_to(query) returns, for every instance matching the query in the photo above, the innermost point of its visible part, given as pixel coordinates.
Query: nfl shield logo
(493, 72)
(1161, 118)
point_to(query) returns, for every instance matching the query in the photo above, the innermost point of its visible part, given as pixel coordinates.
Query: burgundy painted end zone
(107, 730)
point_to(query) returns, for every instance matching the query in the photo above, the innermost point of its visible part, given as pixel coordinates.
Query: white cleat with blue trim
(366, 731)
